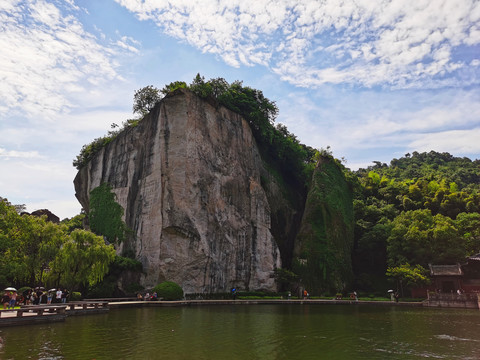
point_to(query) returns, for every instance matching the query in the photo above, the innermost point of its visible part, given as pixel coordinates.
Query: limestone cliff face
(188, 177)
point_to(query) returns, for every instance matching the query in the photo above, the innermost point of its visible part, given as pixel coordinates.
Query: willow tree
(83, 259)
(27, 245)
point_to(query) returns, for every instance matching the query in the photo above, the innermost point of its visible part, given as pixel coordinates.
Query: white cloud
(18, 154)
(453, 141)
(48, 57)
(371, 123)
(393, 43)
(28, 181)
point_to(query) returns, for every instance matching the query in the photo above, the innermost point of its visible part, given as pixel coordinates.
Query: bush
(104, 289)
(76, 296)
(168, 290)
(133, 288)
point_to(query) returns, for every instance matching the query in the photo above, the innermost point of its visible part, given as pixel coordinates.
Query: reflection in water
(252, 332)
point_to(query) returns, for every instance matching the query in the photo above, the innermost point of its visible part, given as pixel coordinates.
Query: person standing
(13, 299)
(26, 296)
(33, 298)
(49, 297)
(58, 296)
(40, 296)
(65, 294)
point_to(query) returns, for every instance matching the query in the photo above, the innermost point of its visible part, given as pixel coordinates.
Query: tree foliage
(421, 208)
(408, 276)
(83, 259)
(28, 244)
(418, 237)
(34, 251)
(173, 86)
(145, 99)
(285, 278)
(169, 290)
(324, 242)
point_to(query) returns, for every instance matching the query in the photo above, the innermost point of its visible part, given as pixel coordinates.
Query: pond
(253, 332)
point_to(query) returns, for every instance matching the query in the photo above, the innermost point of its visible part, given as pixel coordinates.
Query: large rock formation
(45, 212)
(188, 177)
(324, 244)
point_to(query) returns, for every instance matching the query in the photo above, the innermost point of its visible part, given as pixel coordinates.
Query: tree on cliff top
(145, 99)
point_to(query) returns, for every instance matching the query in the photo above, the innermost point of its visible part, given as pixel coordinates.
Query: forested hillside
(422, 208)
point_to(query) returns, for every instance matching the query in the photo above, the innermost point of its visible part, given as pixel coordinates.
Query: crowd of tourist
(147, 296)
(35, 296)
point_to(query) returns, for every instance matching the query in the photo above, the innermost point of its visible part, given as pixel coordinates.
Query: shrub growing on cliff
(88, 150)
(168, 290)
(105, 215)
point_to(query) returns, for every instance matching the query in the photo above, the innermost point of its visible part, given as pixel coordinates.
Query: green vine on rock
(105, 215)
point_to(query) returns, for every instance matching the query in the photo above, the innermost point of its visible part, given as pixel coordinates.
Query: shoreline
(13, 320)
(116, 305)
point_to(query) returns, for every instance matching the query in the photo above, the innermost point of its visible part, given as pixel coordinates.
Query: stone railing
(37, 309)
(452, 297)
(470, 300)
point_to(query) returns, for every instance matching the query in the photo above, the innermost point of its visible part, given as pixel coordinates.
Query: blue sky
(372, 79)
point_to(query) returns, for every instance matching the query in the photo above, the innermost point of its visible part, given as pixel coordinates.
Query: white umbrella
(10, 289)
(390, 291)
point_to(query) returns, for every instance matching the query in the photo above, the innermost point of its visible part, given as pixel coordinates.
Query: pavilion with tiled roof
(446, 278)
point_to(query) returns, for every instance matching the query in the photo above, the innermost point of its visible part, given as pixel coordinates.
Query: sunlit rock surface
(188, 177)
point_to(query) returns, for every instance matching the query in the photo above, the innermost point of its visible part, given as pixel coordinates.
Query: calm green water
(253, 332)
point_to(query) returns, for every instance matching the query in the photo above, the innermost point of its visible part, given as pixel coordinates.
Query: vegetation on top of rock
(145, 99)
(278, 146)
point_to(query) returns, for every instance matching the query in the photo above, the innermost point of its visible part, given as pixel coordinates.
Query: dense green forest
(422, 208)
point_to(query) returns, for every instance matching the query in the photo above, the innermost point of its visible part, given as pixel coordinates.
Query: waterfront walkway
(31, 314)
(120, 304)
